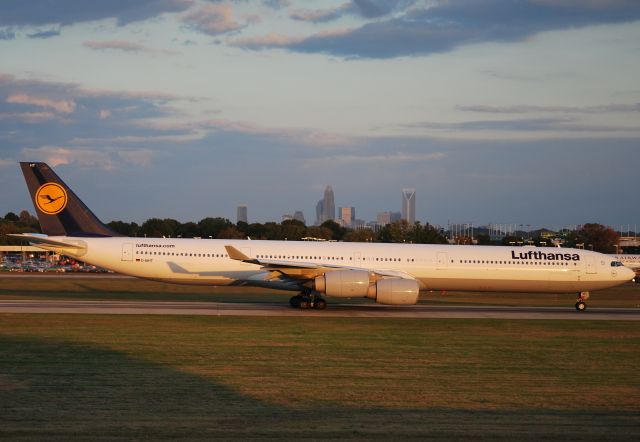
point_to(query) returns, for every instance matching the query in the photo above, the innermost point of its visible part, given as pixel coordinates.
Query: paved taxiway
(333, 310)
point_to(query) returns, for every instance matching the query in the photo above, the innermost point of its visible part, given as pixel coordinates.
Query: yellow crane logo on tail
(51, 198)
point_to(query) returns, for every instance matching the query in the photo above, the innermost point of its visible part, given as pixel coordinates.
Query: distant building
(384, 218)
(242, 214)
(347, 215)
(319, 212)
(286, 217)
(328, 205)
(409, 205)
(326, 208)
(299, 216)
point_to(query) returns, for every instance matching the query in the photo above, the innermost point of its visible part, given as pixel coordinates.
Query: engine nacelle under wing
(343, 283)
(360, 284)
(396, 291)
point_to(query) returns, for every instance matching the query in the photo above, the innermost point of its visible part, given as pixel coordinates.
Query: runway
(333, 310)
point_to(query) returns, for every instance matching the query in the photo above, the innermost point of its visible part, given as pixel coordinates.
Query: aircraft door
(442, 261)
(127, 252)
(357, 258)
(591, 264)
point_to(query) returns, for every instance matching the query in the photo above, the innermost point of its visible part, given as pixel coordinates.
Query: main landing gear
(580, 304)
(307, 300)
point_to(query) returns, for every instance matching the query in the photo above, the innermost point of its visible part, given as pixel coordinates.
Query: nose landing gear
(580, 304)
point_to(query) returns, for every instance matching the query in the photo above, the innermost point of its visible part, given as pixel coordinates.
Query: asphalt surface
(333, 310)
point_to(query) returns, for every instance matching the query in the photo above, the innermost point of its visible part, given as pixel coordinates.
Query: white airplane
(390, 274)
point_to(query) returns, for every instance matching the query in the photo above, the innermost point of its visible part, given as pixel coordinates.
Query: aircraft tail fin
(59, 210)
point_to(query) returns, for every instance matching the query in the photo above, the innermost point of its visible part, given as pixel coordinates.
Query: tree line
(591, 236)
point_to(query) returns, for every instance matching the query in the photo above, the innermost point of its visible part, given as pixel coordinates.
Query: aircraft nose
(626, 274)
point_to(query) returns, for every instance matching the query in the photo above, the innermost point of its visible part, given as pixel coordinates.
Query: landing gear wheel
(304, 303)
(295, 301)
(320, 304)
(581, 306)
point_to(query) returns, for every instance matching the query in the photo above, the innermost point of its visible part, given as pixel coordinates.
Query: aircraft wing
(307, 270)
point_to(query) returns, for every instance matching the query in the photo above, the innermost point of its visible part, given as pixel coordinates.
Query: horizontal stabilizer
(36, 239)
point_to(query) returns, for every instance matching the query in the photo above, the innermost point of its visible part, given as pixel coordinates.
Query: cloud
(121, 45)
(395, 158)
(269, 40)
(55, 156)
(67, 12)
(320, 15)
(379, 8)
(45, 34)
(86, 157)
(40, 113)
(140, 157)
(6, 34)
(526, 109)
(277, 4)
(213, 19)
(564, 124)
(28, 117)
(365, 8)
(443, 26)
(62, 106)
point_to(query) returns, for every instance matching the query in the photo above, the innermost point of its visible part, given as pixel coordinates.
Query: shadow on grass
(57, 390)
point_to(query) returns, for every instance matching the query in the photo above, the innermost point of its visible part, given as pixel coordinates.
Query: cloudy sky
(496, 111)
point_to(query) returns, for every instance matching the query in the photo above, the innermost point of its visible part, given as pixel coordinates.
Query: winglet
(238, 255)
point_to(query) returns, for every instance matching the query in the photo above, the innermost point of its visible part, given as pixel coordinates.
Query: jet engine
(396, 291)
(343, 283)
(359, 284)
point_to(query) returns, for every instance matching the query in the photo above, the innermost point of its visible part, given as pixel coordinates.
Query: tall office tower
(409, 205)
(242, 213)
(347, 215)
(328, 206)
(319, 219)
(299, 216)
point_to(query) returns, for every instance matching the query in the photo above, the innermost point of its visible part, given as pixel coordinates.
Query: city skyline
(182, 109)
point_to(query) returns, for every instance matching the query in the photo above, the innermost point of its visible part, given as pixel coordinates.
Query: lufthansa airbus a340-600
(391, 274)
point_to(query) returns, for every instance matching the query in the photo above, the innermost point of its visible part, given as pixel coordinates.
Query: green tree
(124, 228)
(337, 231)
(426, 234)
(293, 230)
(230, 232)
(212, 227)
(398, 231)
(11, 217)
(360, 235)
(593, 236)
(319, 232)
(157, 228)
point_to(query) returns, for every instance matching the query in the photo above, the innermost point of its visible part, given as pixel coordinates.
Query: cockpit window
(616, 264)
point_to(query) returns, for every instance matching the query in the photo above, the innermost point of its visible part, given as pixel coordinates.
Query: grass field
(182, 377)
(36, 287)
(149, 377)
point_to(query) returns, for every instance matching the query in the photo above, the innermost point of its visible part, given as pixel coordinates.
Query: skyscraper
(299, 216)
(328, 206)
(347, 215)
(409, 205)
(242, 213)
(319, 219)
